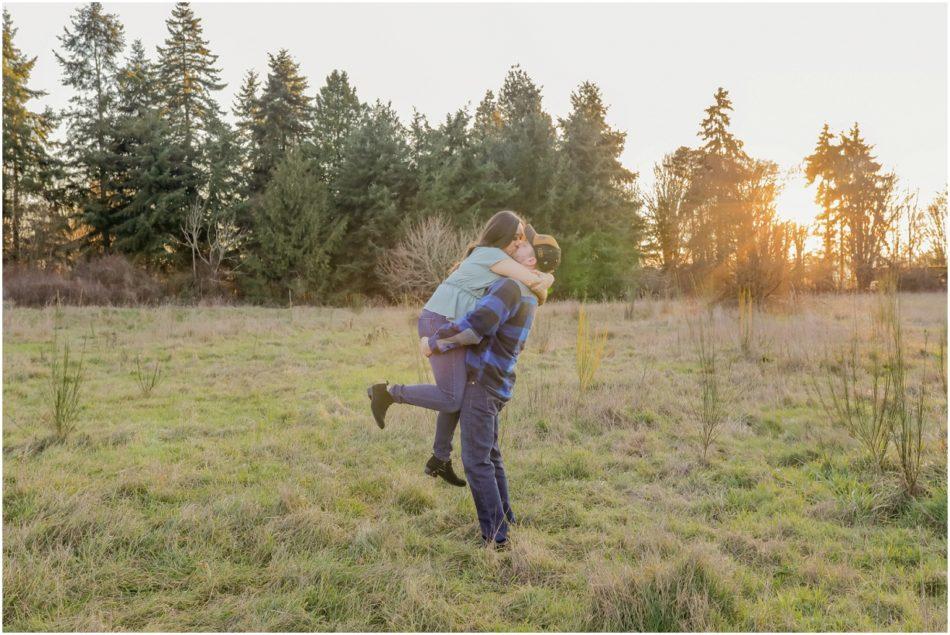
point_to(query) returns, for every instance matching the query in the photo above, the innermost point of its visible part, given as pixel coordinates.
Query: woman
(488, 259)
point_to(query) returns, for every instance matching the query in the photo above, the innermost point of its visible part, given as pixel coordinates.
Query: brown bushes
(109, 280)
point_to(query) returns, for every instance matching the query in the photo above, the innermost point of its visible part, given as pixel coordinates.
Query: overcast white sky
(789, 68)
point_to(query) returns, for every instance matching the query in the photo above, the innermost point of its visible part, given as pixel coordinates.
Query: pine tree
(487, 122)
(592, 195)
(337, 111)
(524, 146)
(714, 198)
(295, 235)
(224, 195)
(864, 191)
(284, 117)
(89, 63)
(855, 194)
(25, 139)
(820, 167)
(189, 77)
(593, 190)
(145, 182)
(247, 108)
(452, 180)
(374, 186)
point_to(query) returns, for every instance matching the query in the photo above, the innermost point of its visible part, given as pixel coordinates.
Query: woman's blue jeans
(445, 396)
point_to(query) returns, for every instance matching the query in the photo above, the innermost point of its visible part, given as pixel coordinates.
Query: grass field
(251, 490)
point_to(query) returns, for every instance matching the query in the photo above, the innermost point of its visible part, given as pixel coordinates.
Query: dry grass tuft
(661, 594)
(590, 350)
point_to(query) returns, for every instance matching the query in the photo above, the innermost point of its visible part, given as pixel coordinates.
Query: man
(495, 331)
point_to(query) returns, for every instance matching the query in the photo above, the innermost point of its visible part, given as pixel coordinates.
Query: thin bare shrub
(147, 375)
(423, 258)
(857, 399)
(63, 389)
(710, 411)
(630, 306)
(541, 334)
(942, 359)
(906, 412)
(908, 434)
(590, 350)
(746, 321)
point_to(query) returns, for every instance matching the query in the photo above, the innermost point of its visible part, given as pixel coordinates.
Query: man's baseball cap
(546, 249)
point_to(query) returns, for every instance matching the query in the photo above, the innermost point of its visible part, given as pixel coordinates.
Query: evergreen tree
(374, 186)
(820, 167)
(26, 159)
(593, 194)
(452, 180)
(89, 64)
(524, 146)
(593, 190)
(295, 235)
(189, 77)
(145, 170)
(487, 122)
(247, 113)
(864, 192)
(337, 111)
(667, 221)
(714, 198)
(855, 194)
(247, 108)
(224, 193)
(283, 117)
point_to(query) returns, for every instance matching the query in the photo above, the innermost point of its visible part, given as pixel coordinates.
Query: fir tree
(337, 111)
(452, 180)
(374, 185)
(26, 159)
(223, 192)
(592, 196)
(89, 64)
(593, 190)
(145, 174)
(295, 234)
(714, 197)
(820, 167)
(189, 77)
(283, 117)
(524, 147)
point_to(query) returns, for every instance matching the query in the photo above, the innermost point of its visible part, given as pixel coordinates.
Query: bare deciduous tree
(666, 210)
(212, 238)
(934, 228)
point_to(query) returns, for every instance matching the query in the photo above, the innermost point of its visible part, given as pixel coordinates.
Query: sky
(789, 68)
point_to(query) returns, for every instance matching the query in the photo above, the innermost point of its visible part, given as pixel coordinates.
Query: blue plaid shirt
(495, 332)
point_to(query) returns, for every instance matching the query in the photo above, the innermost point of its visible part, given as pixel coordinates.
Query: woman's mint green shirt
(465, 286)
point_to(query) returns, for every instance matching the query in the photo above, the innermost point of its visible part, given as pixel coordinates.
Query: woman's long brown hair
(499, 231)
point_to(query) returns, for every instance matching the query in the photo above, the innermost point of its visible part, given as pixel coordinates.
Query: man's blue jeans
(481, 457)
(445, 396)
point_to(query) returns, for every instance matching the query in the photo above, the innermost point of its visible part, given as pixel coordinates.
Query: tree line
(308, 192)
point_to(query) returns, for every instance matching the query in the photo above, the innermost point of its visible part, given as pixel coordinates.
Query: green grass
(251, 490)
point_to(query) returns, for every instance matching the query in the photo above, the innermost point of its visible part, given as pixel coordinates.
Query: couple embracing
(472, 330)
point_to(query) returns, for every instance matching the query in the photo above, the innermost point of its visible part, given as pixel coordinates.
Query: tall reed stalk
(590, 350)
(65, 381)
(746, 317)
(906, 410)
(710, 411)
(858, 400)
